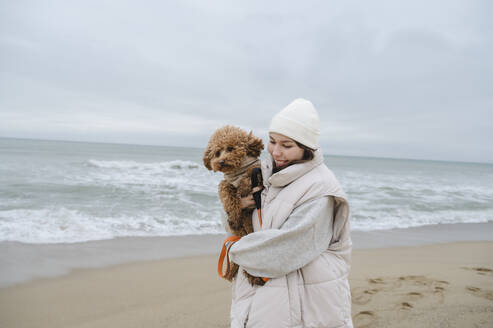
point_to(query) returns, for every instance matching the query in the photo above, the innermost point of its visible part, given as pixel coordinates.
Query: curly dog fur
(229, 151)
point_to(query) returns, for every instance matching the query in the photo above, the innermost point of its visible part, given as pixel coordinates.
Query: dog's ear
(207, 157)
(254, 145)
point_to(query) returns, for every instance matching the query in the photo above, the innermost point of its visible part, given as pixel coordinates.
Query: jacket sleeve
(276, 252)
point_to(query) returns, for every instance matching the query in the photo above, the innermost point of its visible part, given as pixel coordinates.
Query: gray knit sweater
(276, 252)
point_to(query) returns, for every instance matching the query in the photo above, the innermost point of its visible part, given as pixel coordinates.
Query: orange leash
(224, 253)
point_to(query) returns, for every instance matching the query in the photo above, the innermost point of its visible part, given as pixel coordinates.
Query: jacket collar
(291, 173)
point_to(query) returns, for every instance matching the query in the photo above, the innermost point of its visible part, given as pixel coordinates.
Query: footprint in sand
(362, 296)
(384, 283)
(415, 288)
(422, 281)
(405, 306)
(416, 280)
(414, 296)
(364, 319)
(438, 288)
(408, 298)
(476, 291)
(376, 281)
(480, 271)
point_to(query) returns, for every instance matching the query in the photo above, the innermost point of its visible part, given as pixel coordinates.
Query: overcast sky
(410, 79)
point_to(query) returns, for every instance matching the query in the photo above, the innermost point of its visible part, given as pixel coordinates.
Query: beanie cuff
(294, 130)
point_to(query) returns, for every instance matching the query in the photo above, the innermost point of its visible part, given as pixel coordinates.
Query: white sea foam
(62, 225)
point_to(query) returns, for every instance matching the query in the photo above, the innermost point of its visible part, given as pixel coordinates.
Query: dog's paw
(232, 272)
(254, 281)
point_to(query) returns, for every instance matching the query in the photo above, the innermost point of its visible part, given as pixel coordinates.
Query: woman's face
(283, 150)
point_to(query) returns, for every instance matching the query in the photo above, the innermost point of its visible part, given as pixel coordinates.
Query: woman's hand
(248, 201)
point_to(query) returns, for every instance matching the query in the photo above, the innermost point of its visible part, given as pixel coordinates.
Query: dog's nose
(221, 163)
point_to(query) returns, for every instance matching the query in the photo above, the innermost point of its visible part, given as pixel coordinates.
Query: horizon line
(195, 147)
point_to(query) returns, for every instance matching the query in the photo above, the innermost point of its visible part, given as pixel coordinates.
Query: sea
(72, 192)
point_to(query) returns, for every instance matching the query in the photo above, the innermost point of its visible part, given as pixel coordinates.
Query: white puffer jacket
(304, 246)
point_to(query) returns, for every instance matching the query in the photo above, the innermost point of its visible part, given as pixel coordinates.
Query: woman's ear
(254, 145)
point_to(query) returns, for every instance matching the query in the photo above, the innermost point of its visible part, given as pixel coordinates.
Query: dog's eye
(218, 153)
(229, 149)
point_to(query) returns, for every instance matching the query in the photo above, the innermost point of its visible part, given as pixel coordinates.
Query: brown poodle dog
(235, 153)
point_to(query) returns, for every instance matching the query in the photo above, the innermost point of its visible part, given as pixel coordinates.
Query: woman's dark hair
(308, 153)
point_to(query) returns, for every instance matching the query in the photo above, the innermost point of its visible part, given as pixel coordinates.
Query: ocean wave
(64, 225)
(175, 175)
(168, 165)
(67, 225)
(396, 218)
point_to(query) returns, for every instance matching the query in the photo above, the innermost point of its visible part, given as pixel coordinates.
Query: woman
(303, 245)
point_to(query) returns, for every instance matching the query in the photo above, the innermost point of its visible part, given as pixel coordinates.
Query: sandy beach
(393, 284)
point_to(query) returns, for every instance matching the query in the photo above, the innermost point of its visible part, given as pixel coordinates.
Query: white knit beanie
(298, 121)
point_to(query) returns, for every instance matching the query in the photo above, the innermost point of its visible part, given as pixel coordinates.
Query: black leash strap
(255, 183)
